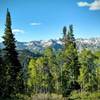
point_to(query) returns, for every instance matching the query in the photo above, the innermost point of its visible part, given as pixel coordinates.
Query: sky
(44, 19)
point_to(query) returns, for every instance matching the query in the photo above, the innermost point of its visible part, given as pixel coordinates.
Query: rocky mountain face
(92, 44)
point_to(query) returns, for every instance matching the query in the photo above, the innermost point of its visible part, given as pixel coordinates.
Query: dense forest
(65, 74)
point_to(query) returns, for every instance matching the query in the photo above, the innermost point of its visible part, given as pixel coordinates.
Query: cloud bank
(95, 5)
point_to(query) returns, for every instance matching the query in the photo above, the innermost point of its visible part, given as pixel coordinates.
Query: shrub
(47, 97)
(76, 95)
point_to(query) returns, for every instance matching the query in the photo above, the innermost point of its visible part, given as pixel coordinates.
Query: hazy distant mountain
(92, 43)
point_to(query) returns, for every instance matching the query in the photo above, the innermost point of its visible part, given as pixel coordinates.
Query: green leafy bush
(76, 95)
(17, 97)
(47, 97)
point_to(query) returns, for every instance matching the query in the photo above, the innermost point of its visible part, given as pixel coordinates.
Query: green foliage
(98, 77)
(70, 66)
(87, 78)
(17, 97)
(47, 97)
(76, 95)
(39, 73)
(48, 72)
(11, 69)
(97, 61)
(1, 73)
(11, 55)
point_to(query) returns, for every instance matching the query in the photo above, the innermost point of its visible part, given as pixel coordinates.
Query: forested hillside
(51, 74)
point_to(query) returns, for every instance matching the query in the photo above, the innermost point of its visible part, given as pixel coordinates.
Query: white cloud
(35, 24)
(83, 4)
(17, 31)
(95, 5)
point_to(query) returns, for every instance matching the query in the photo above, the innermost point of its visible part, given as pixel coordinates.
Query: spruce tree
(12, 64)
(65, 40)
(11, 55)
(70, 67)
(70, 35)
(75, 59)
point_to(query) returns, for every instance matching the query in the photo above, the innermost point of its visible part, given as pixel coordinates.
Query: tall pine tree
(65, 37)
(12, 64)
(70, 67)
(11, 55)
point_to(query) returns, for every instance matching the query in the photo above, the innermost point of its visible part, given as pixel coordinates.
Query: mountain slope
(92, 44)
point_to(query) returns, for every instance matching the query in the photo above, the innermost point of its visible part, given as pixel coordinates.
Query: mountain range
(92, 44)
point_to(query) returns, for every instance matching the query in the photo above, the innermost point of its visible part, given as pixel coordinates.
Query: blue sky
(44, 19)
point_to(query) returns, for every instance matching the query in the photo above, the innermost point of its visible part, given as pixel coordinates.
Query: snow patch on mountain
(92, 43)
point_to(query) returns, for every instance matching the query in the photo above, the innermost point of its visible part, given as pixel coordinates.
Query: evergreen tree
(75, 59)
(11, 56)
(70, 68)
(65, 38)
(70, 36)
(12, 63)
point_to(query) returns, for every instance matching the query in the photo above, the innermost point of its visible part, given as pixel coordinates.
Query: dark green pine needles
(12, 66)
